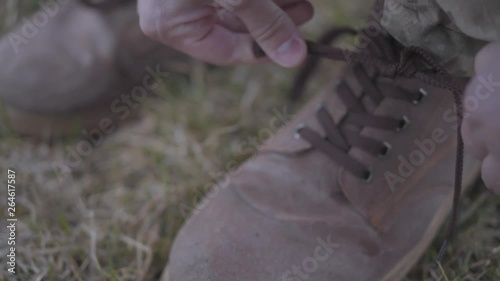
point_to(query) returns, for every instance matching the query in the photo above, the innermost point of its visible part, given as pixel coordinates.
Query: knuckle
(270, 29)
(149, 27)
(176, 30)
(235, 5)
(232, 5)
(148, 31)
(160, 31)
(156, 25)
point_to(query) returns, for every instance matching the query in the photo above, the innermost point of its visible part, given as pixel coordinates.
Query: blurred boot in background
(77, 65)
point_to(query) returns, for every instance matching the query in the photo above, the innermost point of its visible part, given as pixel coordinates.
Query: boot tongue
(286, 141)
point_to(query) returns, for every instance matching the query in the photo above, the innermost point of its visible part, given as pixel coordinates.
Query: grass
(115, 215)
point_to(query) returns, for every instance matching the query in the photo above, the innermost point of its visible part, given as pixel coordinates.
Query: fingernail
(291, 53)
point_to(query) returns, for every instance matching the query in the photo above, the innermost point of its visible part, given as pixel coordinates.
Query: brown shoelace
(409, 62)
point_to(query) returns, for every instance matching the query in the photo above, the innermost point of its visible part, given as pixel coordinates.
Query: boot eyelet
(422, 94)
(386, 150)
(367, 176)
(403, 123)
(297, 130)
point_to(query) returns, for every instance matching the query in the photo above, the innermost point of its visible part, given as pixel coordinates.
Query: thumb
(273, 30)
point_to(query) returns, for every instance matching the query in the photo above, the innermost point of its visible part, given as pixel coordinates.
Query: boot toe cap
(230, 240)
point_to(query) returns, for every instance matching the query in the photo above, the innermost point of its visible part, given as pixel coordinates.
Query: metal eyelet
(368, 176)
(299, 127)
(423, 93)
(403, 123)
(386, 150)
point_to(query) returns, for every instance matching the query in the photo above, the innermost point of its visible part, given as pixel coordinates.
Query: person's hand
(481, 129)
(223, 32)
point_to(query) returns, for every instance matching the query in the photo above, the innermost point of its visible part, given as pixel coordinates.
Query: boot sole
(409, 260)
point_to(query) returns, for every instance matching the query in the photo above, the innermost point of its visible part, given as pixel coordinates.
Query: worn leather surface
(268, 216)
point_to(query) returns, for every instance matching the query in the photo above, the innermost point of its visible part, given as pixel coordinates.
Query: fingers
(473, 123)
(273, 30)
(299, 12)
(197, 28)
(472, 146)
(193, 30)
(221, 46)
(486, 57)
(481, 131)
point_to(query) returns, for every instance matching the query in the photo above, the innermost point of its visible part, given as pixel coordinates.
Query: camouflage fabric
(453, 30)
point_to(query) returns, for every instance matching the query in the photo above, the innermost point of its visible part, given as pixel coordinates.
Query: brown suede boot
(352, 189)
(84, 67)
